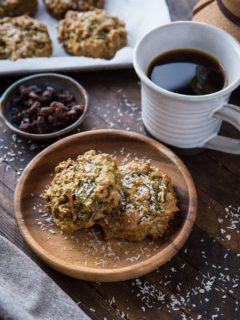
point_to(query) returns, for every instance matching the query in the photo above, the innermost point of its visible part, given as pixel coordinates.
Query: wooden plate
(85, 255)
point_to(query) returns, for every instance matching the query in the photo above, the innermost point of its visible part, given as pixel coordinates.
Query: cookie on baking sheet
(23, 37)
(94, 33)
(148, 204)
(58, 8)
(14, 8)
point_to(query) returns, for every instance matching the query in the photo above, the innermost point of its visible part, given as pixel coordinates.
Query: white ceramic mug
(186, 121)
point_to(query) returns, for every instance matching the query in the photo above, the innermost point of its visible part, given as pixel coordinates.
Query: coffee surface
(187, 71)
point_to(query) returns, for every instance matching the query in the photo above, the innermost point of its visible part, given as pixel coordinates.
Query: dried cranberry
(65, 96)
(24, 126)
(16, 116)
(33, 95)
(42, 110)
(72, 113)
(24, 91)
(59, 116)
(50, 89)
(47, 95)
(34, 108)
(46, 111)
(78, 108)
(42, 126)
(33, 127)
(28, 102)
(35, 89)
(50, 119)
(58, 106)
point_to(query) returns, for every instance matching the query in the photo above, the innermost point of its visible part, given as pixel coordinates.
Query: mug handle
(231, 114)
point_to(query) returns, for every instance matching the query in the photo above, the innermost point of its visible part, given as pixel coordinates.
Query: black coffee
(187, 71)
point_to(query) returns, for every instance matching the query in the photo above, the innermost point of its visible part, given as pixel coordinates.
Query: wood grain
(119, 265)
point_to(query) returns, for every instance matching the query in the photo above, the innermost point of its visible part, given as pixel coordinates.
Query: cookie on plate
(14, 8)
(58, 8)
(83, 191)
(148, 204)
(23, 37)
(94, 34)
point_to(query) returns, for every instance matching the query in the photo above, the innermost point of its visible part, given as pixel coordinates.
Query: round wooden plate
(85, 254)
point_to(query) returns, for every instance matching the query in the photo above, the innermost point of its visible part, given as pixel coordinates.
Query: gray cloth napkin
(27, 293)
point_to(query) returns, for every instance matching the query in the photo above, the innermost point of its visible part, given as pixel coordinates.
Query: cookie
(83, 191)
(94, 34)
(23, 37)
(14, 8)
(148, 204)
(58, 8)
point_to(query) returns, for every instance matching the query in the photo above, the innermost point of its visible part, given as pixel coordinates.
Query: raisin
(24, 91)
(28, 102)
(34, 96)
(78, 108)
(46, 111)
(42, 126)
(25, 126)
(65, 96)
(47, 95)
(42, 110)
(34, 108)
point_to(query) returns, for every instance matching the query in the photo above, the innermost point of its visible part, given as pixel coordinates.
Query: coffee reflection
(188, 72)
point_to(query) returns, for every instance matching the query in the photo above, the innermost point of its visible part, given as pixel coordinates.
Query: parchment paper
(140, 16)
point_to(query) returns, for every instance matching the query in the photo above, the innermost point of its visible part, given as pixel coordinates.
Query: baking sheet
(140, 16)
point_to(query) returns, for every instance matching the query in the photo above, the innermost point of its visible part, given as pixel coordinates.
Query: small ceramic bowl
(54, 80)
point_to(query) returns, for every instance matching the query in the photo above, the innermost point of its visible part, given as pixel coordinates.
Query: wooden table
(202, 280)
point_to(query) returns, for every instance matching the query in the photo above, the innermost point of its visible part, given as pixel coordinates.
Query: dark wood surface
(203, 280)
